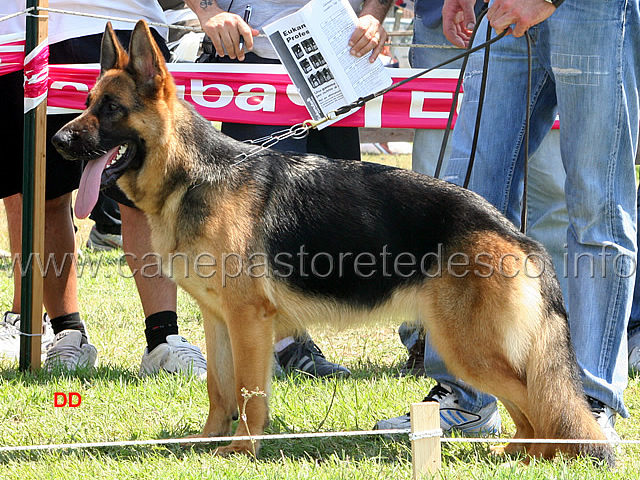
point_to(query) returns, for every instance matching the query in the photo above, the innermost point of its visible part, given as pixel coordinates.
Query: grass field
(118, 405)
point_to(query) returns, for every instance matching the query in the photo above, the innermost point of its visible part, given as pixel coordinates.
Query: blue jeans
(426, 142)
(585, 68)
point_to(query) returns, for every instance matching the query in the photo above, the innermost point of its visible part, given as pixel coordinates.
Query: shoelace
(189, 353)
(312, 348)
(7, 326)
(437, 393)
(596, 406)
(301, 349)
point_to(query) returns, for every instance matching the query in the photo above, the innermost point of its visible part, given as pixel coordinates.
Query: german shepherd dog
(294, 239)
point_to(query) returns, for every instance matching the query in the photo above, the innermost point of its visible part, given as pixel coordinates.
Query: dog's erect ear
(146, 63)
(112, 54)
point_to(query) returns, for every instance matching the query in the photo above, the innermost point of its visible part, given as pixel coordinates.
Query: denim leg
(427, 141)
(597, 92)
(547, 216)
(409, 334)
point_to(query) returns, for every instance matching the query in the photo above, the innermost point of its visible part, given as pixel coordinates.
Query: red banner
(11, 56)
(264, 94)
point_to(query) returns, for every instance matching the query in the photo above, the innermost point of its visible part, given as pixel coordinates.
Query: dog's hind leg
(250, 324)
(220, 376)
(504, 330)
(556, 398)
(524, 429)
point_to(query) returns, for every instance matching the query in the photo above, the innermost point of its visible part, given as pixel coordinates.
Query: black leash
(300, 130)
(362, 100)
(476, 132)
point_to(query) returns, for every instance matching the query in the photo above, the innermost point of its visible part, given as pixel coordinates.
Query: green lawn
(117, 405)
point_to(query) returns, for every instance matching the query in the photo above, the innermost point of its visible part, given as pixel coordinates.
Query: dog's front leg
(220, 377)
(251, 335)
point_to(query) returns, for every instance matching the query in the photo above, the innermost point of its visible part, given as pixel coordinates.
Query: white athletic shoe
(175, 356)
(10, 335)
(606, 418)
(70, 351)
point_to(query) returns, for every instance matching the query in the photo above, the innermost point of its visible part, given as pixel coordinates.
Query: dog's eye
(112, 107)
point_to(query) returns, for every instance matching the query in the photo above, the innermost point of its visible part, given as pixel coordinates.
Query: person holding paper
(224, 24)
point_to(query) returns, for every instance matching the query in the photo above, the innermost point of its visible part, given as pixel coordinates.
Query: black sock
(70, 321)
(159, 326)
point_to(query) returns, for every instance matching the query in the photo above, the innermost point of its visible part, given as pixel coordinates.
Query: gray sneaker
(103, 241)
(70, 351)
(485, 422)
(10, 335)
(304, 356)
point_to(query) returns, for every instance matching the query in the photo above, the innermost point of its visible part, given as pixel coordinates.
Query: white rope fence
(287, 436)
(198, 29)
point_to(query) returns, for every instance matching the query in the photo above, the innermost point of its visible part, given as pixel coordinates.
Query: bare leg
(157, 293)
(60, 289)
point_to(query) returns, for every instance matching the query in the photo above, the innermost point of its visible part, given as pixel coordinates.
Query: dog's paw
(242, 447)
(498, 450)
(509, 449)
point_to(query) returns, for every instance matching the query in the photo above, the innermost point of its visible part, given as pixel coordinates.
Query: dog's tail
(555, 394)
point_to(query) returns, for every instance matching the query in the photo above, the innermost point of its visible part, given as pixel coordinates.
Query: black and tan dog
(270, 242)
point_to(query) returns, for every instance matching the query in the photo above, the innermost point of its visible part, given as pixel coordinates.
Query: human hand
(524, 14)
(225, 30)
(458, 21)
(369, 36)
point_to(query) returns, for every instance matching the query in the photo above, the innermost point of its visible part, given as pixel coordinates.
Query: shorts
(62, 176)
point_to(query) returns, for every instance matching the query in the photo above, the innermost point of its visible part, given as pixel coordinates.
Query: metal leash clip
(297, 131)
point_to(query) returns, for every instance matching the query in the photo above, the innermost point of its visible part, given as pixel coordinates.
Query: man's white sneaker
(70, 351)
(103, 241)
(10, 335)
(486, 422)
(177, 355)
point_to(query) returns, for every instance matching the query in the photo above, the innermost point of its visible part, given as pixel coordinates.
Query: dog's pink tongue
(90, 183)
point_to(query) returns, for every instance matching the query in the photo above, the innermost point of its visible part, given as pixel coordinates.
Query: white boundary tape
(355, 433)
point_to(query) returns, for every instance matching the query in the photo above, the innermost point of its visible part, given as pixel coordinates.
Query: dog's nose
(62, 138)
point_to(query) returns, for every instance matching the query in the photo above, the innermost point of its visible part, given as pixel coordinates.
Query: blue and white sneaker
(453, 418)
